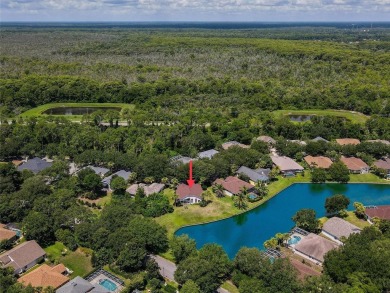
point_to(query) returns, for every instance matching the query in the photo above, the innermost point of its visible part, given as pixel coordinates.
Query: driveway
(167, 268)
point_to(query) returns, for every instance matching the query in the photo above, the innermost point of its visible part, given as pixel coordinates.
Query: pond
(300, 118)
(254, 227)
(77, 110)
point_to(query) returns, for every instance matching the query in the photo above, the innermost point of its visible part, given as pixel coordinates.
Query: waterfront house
(318, 162)
(189, 195)
(46, 276)
(355, 165)
(23, 257)
(286, 165)
(230, 144)
(233, 185)
(255, 176)
(122, 173)
(384, 164)
(207, 154)
(35, 165)
(347, 141)
(314, 247)
(336, 228)
(148, 189)
(380, 212)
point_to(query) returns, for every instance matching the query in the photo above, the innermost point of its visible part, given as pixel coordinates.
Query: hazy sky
(195, 10)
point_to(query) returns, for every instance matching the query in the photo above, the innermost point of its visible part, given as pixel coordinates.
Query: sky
(195, 10)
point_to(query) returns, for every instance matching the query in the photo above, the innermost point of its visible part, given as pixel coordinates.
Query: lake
(77, 110)
(254, 227)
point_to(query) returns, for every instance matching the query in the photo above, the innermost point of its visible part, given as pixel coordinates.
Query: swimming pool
(252, 196)
(108, 284)
(294, 240)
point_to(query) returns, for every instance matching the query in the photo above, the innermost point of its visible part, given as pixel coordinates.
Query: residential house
(80, 285)
(148, 189)
(230, 144)
(266, 139)
(314, 247)
(23, 257)
(6, 234)
(189, 195)
(46, 276)
(318, 162)
(98, 170)
(355, 165)
(233, 185)
(181, 160)
(255, 176)
(380, 212)
(297, 141)
(380, 141)
(347, 141)
(336, 228)
(384, 164)
(319, 138)
(286, 165)
(207, 154)
(122, 173)
(35, 165)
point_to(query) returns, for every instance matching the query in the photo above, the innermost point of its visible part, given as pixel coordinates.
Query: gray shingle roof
(35, 165)
(319, 138)
(207, 154)
(286, 164)
(98, 170)
(79, 285)
(315, 246)
(121, 173)
(339, 228)
(253, 174)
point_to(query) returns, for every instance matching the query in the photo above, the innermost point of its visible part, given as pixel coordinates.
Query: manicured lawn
(35, 112)
(364, 178)
(78, 261)
(354, 117)
(228, 285)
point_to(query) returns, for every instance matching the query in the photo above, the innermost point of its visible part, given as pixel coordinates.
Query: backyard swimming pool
(294, 240)
(254, 227)
(108, 284)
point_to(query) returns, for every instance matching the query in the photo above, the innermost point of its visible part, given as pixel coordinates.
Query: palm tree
(219, 190)
(261, 188)
(241, 199)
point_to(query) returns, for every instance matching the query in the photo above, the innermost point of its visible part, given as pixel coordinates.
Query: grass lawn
(353, 116)
(369, 177)
(229, 286)
(78, 261)
(35, 112)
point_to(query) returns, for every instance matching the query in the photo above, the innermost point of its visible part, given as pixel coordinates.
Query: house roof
(148, 189)
(253, 175)
(379, 140)
(79, 285)
(121, 173)
(346, 141)
(319, 138)
(315, 246)
(6, 234)
(22, 255)
(300, 142)
(17, 162)
(35, 165)
(233, 184)
(207, 154)
(266, 139)
(183, 191)
(383, 164)
(181, 159)
(45, 276)
(354, 164)
(98, 170)
(339, 227)
(286, 163)
(381, 212)
(230, 144)
(320, 162)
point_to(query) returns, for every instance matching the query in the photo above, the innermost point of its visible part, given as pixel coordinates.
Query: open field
(352, 116)
(36, 112)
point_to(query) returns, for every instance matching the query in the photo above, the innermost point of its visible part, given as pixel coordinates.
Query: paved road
(168, 268)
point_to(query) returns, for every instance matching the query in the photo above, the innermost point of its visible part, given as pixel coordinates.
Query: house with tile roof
(148, 189)
(314, 247)
(255, 176)
(7, 234)
(233, 185)
(347, 141)
(22, 257)
(355, 165)
(189, 195)
(266, 139)
(46, 276)
(383, 164)
(35, 165)
(336, 228)
(318, 162)
(207, 154)
(286, 164)
(233, 143)
(380, 212)
(80, 285)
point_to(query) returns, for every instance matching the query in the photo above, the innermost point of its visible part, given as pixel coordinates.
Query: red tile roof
(233, 184)
(345, 141)
(45, 276)
(183, 191)
(381, 212)
(319, 162)
(354, 164)
(383, 164)
(6, 234)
